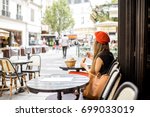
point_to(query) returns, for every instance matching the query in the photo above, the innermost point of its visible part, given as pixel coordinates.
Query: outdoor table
(57, 83)
(21, 63)
(76, 68)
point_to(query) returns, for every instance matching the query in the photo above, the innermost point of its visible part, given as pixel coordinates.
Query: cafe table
(57, 83)
(77, 68)
(21, 62)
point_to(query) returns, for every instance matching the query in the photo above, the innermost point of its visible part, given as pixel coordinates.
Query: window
(77, 1)
(5, 5)
(18, 9)
(86, 0)
(82, 20)
(69, 1)
(32, 15)
(5, 8)
(18, 16)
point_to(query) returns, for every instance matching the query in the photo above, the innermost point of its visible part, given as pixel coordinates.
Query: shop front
(3, 38)
(10, 38)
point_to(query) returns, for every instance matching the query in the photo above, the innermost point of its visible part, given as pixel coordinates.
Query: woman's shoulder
(105, 54)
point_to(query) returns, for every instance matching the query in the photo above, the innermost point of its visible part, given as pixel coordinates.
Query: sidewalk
(50, 63)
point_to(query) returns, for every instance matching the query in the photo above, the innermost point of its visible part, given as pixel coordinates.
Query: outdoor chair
(126, 91)
(114, 77)
(112, 84)
(12, 58)
(114, 65)
(33, 67)
(9, 72)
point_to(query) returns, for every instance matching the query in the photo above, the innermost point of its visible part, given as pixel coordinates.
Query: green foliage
(101, 12)
(114, 1)
(58, 16)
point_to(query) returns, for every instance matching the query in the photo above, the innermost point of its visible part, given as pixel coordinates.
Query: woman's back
(107, 58)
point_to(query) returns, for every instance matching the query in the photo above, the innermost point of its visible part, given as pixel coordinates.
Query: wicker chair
(9, 72)
(126, 91)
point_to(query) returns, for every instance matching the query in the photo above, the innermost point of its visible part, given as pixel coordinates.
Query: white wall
(79, 11)
(26, 25)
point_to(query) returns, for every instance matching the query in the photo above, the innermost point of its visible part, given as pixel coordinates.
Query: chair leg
(11, 83)
(15, 83)
(24, 79)
(30, 76)
(34, 74)
(39, 74)
(3, 85)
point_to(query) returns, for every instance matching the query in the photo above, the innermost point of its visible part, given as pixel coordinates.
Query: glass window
(32, 15)
(5, 5)
(86, 0)
(18, 9)
(69, 1)
(82, 20)
(77, 1)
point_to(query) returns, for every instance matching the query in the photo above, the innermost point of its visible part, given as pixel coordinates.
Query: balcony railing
(5, 13)
(19, 17)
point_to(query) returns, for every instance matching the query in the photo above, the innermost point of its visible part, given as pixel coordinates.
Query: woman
(102, 58)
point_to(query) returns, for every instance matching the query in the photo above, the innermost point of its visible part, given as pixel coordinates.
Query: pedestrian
(57, 44)
(101, 58)
(64, 43)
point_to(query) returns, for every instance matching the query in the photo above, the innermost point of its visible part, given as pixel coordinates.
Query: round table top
(77, 68)
(56, 83)
(21, 61)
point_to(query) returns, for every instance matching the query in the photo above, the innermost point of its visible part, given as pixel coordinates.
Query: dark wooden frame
(132, 36)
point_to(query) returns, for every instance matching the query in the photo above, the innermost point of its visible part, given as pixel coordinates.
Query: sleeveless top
(107, 58)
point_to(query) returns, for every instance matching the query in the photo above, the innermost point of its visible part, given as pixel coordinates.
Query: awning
(72, 36)
(108, 24)
(4, 34)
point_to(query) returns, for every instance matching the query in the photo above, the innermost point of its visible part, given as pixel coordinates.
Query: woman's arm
(89, 55)
(98, 64)
(84, 65)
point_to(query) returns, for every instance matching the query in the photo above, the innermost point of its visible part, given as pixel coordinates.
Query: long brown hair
(98, 48)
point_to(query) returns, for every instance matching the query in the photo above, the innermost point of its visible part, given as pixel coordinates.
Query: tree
(114, 1)
(58, 16)
(101, 12)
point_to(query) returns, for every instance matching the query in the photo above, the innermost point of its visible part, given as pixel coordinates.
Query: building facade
(81, 10)
(22, 18)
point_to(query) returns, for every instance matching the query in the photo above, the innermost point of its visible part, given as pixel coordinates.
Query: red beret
(102, 37)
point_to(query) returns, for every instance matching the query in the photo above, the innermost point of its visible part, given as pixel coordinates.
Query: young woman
(102, 58)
